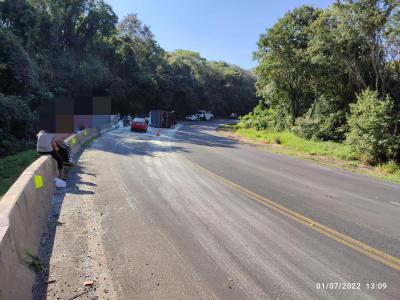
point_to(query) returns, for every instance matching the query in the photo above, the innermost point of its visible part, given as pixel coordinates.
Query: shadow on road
(119, 142)
(124, 142)
(42, 286)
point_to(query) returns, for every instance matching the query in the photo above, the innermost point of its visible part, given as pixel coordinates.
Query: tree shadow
(74, 184)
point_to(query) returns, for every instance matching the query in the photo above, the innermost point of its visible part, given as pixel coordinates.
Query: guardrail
(23, 216)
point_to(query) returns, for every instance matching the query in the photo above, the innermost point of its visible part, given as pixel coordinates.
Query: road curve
(168, 229)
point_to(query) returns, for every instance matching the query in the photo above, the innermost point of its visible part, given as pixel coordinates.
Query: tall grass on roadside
(344, 156)
(390, 167)
(293, 142)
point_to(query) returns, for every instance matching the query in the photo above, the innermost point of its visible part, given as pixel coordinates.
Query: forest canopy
(333, 74)
(65, 48)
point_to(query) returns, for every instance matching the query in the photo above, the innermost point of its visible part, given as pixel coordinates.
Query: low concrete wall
(23, 215)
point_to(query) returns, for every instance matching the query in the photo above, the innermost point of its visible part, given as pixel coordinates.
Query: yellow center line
(365, 249)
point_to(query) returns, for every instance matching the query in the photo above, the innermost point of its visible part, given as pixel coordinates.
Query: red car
(139, 124)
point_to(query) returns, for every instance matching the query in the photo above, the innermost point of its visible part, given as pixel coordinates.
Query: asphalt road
(190, 215)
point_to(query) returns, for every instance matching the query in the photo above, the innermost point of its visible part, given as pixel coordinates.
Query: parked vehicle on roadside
(191, 118)
(204, 115)
(139, 124)
(233, 116)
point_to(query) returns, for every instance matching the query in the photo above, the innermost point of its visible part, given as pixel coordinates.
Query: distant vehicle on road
(204, 115)
(139, 124)
(233, 116)
(192, 118)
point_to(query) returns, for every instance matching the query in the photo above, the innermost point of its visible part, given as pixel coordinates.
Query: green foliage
(19, 72)
(58, 48)
(285, 68)
(327, 152)
(293, 142)
(323, 121)
(256, 119)
(262, 118)
(306, 127)
(218, 86)
(13, 165)
(33, 262)
(313, 64)
(16, 119)
(390, 167)
(370, 127)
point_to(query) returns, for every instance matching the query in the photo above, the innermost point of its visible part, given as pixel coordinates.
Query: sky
(225, 30)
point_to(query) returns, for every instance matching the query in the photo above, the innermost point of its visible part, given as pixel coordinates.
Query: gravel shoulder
(72, 251)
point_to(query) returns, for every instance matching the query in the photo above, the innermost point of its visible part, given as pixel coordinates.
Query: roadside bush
(262, 118)
(257, 119)
(277, 119)
(306, 127)
(323, 122)
(370, 125)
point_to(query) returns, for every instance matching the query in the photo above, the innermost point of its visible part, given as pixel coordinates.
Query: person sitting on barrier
(48, 144)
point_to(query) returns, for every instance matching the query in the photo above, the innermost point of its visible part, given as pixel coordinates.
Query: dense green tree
(313, 64)
(285, 70)
(217, 86)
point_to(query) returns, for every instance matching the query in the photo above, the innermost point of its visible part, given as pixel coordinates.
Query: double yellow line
(369, 251)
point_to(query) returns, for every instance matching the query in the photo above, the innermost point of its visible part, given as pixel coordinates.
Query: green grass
(12, 166)
(331, 153)
(293, 142)
(389, 170)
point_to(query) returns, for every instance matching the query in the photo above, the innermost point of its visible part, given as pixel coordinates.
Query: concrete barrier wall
(23, 216)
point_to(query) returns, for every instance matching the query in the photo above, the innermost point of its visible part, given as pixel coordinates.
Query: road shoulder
(352, 166)
(72, 256)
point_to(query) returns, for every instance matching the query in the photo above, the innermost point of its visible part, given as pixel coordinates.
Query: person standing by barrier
(48, 144)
